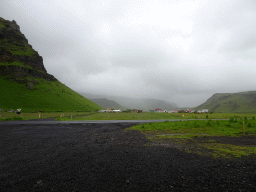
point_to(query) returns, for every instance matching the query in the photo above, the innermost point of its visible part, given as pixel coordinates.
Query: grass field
(184, 133)
(121, 116)
(196, 128)
(80, 116)
(26, 116)
(159, 116)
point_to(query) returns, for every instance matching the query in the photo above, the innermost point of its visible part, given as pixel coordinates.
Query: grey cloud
(137, 57)
(241, 39)
(179, 51)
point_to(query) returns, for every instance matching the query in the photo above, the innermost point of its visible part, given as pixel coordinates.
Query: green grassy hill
(243, 102)
(24, 81)
(44, 96)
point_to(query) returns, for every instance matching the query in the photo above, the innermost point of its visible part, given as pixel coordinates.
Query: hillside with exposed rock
(17, 57)
(25, 82)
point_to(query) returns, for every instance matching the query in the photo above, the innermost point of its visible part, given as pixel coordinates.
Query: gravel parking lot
(104, 157)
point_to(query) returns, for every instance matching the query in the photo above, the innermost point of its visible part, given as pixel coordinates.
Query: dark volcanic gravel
(102, 157)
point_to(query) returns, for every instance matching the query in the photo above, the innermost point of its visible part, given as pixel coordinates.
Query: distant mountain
(243, 102)
(105, 103)
(132, 103)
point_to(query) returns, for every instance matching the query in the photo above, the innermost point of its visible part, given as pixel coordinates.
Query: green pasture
(37, 115)
(131, 116)
(122, 116)
(157, 116)
(194, 128)
(185, 133)
(94, 115)
(210, 115)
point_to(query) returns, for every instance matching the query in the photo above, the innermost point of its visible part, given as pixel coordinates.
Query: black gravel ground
(102, 157)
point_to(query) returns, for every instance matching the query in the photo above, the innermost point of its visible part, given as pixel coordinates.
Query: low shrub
(208, 124)
(13, 118)
(195, 125)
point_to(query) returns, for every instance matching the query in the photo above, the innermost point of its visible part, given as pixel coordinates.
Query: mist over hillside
(106, 103)
(134, 103)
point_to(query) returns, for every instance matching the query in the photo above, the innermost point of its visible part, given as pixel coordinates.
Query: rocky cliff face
(17, 57)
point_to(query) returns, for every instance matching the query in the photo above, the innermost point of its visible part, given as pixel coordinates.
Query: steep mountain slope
(24, 81)
(243, 102)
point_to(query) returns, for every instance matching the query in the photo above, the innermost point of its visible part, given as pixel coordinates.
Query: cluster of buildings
(158, 110)
(111, 110)
(184, 111)
(202, 111)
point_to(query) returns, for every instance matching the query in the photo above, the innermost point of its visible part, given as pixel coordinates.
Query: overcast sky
(181, 51)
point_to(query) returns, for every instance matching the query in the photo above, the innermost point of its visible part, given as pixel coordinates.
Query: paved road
(45, 121)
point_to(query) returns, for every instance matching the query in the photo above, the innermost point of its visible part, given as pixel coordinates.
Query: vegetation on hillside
(243, 102)
(16, 43)
(36, 94)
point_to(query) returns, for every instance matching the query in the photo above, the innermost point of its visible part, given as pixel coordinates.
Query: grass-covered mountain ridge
(24, 81)
(242, 102)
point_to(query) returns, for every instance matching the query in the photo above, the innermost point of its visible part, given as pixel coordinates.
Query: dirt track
(102, 157)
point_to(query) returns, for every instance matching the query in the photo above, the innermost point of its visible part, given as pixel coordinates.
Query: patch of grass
(149, 116)
(213, 128)
(229, 151)
(2, 25)
(187, 131)
(160, 137)
(16, 63)
(20, 49)
(210, 116)
(35, 115)
(11, 118)
(27, 51)
(122, 116)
